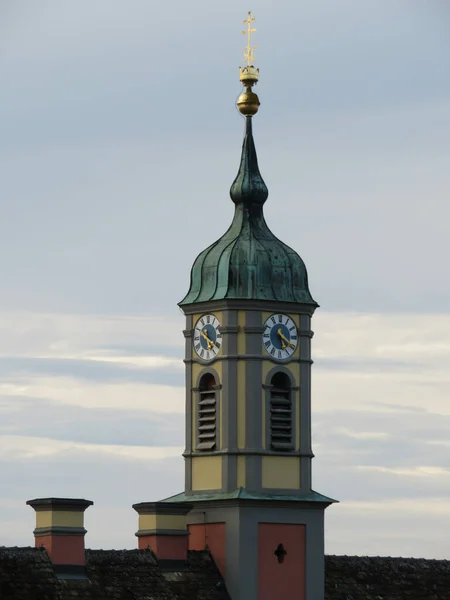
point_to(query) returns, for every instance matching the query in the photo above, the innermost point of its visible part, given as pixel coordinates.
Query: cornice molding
(249, 451)
(53, 530)
(229, 329)
(245, 357)
(242, 304)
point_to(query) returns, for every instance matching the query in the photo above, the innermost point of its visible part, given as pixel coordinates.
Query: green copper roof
(248, 261)
(243, 494)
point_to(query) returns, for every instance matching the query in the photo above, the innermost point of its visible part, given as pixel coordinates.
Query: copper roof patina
(249, 262)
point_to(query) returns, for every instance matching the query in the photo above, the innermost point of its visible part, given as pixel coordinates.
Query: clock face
(280, 336)
(207, 337)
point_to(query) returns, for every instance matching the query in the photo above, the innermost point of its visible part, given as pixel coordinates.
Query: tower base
(264, 546)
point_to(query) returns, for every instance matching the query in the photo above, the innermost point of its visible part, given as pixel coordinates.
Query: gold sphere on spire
(248, 102)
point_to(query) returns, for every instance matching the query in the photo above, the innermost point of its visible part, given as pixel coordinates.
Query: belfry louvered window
(207, 413)
(281, 437)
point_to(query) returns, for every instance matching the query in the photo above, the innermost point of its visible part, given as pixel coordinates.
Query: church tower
(248, 398)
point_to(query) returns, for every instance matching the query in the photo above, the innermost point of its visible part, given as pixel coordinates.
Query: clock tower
(248, 398)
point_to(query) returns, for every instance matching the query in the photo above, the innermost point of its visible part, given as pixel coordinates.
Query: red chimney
(162, 526)
(60, 529)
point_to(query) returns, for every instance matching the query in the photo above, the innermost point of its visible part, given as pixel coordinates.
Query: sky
(118, 123)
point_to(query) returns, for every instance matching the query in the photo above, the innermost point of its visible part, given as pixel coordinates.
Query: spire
(248, 262)
(248, 187)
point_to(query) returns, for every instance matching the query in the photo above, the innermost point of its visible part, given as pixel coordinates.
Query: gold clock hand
(208, 341)
(283, 337)
(204, 334)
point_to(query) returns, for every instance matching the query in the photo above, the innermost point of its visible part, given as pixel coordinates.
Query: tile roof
(28, 574)
(386, 578)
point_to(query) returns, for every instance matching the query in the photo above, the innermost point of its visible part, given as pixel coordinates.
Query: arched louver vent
(207, 413)
(281, 413)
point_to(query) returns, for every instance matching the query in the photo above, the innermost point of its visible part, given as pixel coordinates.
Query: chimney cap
(67, 504)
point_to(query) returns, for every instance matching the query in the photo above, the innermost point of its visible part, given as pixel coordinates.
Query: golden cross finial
(249, 52)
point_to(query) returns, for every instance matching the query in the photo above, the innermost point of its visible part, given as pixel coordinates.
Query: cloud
(93, 370)
(88, 348)
(22, 447)
(29, 333)
(89, 394)
(22, 416)
(406, 527)
(380, 423)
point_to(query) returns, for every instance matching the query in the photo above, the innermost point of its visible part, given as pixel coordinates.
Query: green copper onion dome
(248, 262)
